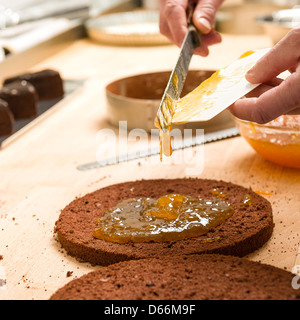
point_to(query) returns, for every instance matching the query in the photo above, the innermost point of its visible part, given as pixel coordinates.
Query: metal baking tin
(136, 98)
(136, 28)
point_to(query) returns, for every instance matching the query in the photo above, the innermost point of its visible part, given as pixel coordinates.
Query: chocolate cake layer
(48, 83)
(249, 227)
(22, 99)
(6, 119)
(194, 277)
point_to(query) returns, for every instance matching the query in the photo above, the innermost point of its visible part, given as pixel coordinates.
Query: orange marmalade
(187, 107)
(278, 141)
(246, 54)
(169, 218)
(164, 141)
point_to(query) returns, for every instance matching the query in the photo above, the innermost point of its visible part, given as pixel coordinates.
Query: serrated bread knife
(186, 143)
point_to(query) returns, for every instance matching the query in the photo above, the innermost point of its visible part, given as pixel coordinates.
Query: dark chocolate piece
(22, 99)
(48, 83)
(6, 119)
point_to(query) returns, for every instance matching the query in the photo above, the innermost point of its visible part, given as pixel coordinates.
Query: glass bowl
(277, 141)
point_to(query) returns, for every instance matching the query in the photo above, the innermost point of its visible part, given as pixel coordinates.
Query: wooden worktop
(39, 176)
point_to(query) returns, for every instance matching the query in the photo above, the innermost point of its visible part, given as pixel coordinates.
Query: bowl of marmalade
(277, 141)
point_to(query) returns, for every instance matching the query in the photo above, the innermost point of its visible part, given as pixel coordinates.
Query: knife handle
(195, 34)
(189, 11)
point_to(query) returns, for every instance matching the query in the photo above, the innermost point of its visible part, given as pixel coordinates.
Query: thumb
(204, 14)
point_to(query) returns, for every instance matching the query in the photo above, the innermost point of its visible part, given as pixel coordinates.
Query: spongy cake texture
(245, 231)
(194, 277)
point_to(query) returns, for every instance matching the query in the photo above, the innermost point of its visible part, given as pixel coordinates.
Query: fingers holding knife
(173, 21)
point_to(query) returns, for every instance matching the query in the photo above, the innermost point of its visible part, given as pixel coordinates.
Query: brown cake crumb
(69, 273)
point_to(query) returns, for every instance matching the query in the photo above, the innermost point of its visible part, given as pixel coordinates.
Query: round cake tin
(136, 99)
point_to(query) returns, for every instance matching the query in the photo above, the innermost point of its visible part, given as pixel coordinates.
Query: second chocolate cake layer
(245, 231)
(196, 277)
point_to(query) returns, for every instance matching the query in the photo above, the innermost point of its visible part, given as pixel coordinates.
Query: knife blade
(186, 143)
(177, 78)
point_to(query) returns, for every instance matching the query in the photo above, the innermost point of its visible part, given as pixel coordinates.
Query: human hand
(173, 22)
(274, 97)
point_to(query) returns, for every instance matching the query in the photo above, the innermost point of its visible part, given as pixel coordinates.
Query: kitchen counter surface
(39, 174)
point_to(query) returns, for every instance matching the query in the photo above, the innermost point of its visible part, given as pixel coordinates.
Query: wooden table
(39, 173)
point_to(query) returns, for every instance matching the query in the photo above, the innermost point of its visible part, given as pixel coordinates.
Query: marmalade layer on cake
(169, 218)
